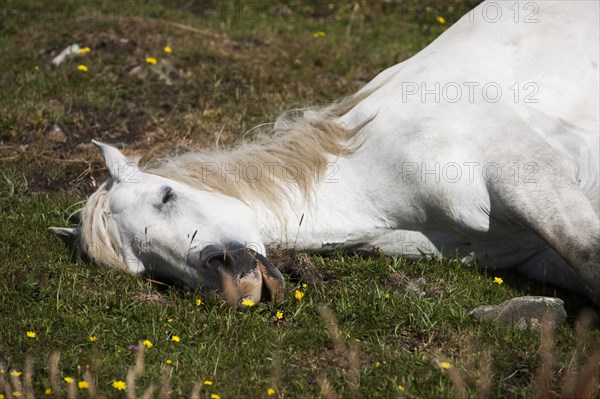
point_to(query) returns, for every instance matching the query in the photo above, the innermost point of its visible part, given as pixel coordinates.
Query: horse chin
(264, 283)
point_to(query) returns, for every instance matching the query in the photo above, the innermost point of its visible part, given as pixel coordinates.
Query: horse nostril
(215, 260)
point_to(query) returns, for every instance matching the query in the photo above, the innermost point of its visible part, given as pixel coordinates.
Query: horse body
(485, 144)
(431, 160)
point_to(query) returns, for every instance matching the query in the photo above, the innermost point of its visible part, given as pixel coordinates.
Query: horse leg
(549, 268)
(558, 212)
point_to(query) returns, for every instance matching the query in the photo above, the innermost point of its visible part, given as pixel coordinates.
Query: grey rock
(415, 286)
(526, 312)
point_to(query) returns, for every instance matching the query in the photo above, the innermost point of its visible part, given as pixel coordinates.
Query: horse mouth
(245, 276)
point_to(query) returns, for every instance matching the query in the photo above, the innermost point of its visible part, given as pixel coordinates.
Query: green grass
(232, 73)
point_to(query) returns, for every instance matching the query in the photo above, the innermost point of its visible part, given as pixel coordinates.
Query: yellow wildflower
(48, 392)
(175, 338)
(83, 385)
(248, 302)
(317, 35)
(69, 380)
(377, 364)
(207, 382)
(279, 315)
(15, 373)
(17, 394)
(31, 334)
(215, 396)
(198, 302)
(82, 68)
(299, 295)
(400, 388)
(270, 392)
(119, 385)
(93, 338)
(151, 60)
(148, 343)
(498, 280)
(169, 361)
(441, 20)
(445, 365)
(167, 49)
(37, 67)
(304, 285)
(84, 50)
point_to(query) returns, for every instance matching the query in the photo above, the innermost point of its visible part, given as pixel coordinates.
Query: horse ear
(66, 234)
(117, 163)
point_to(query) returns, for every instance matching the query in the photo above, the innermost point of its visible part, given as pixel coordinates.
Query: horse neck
(337, 214)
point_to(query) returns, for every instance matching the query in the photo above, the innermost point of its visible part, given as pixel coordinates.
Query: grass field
(354, 333)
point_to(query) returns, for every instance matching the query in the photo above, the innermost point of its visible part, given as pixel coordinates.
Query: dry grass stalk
(276, 369)
(327, 390)
(353, 375)
(485, 375)
(587, 385)
(135, 371)
(93, 392)
(5, 388)
(149, 392)
(582, 334)
(16, 384)
(332, 328)
(4, 385)
(541, 385)
(459, 387)
(195, 394)
(165, 384)
(583, 383)
(583, 327)
(72, 391)
(475, 374)
(55, 374)
(28, 378)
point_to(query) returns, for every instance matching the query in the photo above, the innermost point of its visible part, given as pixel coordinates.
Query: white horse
(485, 144)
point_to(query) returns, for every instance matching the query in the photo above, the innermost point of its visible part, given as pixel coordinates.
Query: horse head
(143, 223)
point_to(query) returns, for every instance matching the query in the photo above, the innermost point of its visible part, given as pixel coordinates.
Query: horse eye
(167, 195)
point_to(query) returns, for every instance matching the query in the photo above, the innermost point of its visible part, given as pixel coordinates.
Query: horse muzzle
(244, 275)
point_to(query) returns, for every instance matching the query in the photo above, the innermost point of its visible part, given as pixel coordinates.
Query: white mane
(93, 238)
(295, 152)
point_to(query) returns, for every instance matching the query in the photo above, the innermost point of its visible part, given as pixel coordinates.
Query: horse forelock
(94, 239)
(293, 155)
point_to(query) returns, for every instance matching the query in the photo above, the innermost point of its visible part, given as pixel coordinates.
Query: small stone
(56, 135)
(406, 284)
(526, 312)
(415, 286)
(138, 71)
